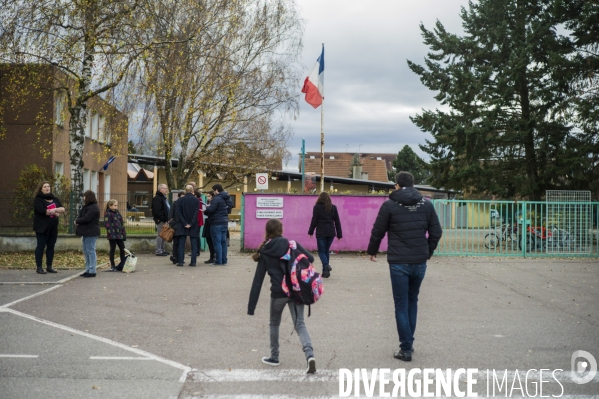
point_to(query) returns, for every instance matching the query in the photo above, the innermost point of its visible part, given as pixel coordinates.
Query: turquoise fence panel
(518, 228)
(242, 220)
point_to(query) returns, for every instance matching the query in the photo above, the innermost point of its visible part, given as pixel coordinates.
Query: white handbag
(130, 262)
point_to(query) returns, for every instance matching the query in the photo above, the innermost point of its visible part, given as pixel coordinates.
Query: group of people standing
(407, 218)
(187, 215)
(47, 209)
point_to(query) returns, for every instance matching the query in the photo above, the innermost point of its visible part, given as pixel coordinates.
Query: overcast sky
(369, 90)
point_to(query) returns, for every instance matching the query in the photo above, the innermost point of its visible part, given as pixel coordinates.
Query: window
(86, 184)
(101, 132)
(332, 157)
(94, 181)
(88, 124)
(379, 158)
(94, 127)
(61, 103)
(59, 168)
(106, 187)
(312, 157)
(141, 199)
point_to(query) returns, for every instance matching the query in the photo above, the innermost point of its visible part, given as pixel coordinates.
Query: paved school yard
(171, 332)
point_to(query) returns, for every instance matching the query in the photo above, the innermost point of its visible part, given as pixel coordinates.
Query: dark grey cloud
(370, 92)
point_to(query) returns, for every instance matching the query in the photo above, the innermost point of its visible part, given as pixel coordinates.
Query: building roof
(137, 173)
(284, 175)
(372, 184)
(375, 165)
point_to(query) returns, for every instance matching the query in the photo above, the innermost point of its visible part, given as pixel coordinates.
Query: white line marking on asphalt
(29, 282)
(118, 358)
(297, 375)
(29, 297)
(21, 356)
(106, 341)
(249, 375)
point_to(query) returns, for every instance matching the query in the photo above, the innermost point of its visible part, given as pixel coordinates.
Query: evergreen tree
(506, 90)
(581, 19)
(407, 160)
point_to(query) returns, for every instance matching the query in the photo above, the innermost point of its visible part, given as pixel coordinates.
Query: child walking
(269, 261)
(116, 234)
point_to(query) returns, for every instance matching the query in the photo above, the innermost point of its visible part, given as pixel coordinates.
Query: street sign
(262, 181)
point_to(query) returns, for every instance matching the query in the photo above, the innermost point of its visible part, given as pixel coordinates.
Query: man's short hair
(161, 186)
(218, 187)
(189, 188)
(404, 179)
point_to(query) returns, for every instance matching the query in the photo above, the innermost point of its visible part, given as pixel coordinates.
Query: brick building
(34, 129)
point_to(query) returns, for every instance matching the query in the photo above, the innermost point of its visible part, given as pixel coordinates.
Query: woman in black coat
(174, 223)
(325, 219)
(206, 230)
(46, 210)
(88, 228)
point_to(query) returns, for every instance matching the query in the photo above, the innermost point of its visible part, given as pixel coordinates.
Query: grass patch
(62, 260)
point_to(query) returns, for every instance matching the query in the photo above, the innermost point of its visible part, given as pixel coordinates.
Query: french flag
(314, 83)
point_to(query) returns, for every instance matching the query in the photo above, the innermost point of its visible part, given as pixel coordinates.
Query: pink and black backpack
(301, 282)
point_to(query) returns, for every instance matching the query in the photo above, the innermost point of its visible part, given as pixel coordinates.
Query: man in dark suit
(187, 211)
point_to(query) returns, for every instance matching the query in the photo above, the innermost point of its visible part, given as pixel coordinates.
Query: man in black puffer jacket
(218, 212)
(406, 217)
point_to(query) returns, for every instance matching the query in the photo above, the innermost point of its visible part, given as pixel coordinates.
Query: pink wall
(356, 212)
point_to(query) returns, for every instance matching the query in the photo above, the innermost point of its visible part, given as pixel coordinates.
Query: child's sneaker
(311, 366)
(270, 361)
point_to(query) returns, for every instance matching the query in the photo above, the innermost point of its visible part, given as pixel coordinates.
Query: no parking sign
(262, 181)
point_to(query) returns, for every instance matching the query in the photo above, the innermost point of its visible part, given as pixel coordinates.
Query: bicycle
(506, 234)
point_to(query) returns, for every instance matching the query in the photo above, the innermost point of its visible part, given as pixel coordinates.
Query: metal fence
(19, 215)
(470, 228)
(511, 228)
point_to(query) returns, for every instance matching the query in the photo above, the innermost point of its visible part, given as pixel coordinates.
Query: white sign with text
(269, 202)
(269, 213)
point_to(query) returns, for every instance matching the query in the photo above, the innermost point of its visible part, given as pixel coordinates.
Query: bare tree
(214, 101)
(93, 43)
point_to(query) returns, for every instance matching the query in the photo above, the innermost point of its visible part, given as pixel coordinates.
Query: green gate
(518, 228)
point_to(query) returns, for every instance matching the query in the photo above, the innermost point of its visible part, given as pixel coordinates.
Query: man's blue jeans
(218, 233)
(324, 245)
(405, 282)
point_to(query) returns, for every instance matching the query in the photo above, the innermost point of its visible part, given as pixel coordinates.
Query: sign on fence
(269, 202)
(269, 213)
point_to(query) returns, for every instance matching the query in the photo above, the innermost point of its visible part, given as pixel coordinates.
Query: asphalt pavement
(183, 332)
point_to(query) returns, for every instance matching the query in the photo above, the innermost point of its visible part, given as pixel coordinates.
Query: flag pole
(303, 165)
(322, 141)
(322, 146)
